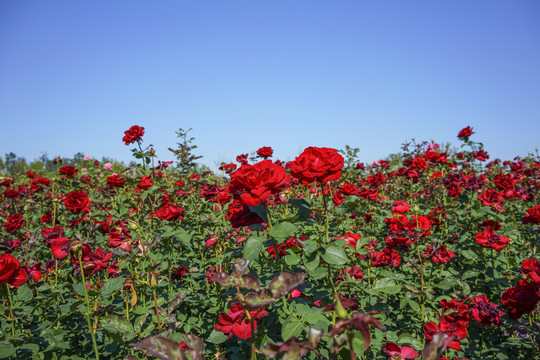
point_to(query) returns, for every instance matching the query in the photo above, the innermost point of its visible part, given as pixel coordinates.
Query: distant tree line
(11, 164)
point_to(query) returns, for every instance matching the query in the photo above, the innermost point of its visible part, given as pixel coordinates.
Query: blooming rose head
(77, 201)
(317, 164)
(465, 133)
(134, 133)
(8, 267)
(255, 184)
(265, 152)
(107, 166)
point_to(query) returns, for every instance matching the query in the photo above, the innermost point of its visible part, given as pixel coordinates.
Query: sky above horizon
(286, 74)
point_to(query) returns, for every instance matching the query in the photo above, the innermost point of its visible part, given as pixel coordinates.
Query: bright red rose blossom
(77, 201)
(397, 352)
(531, 268)
(255, 184)
(236, 322)
(265, 152)
(317, 164)
(8, 267)
(532, 215)
(170, 212)
(488, 238)
(465, 132)
(135, 133)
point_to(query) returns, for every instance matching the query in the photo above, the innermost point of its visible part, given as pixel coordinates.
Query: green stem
(11, 316)
(325, 213)
(88, 321)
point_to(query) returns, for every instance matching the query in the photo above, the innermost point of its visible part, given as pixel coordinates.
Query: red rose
(401, 206)
(134, 133)
(485, 312)
(14, 222)
(255, 184)
(317, 164)
(68, 171)
(532, 215)
(465, 132)
(169, 212)
(239, 215)
(531, 268)
(8, 267)
(488, 238)
(265, 152)
(521, 299)
(236, 322)
(115, 180)
(77, 201)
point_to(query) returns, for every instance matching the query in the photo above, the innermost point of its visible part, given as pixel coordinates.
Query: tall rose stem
(92, 334)
(325, 213)
(11, 316)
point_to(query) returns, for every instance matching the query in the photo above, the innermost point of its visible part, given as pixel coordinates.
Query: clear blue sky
(74, 75)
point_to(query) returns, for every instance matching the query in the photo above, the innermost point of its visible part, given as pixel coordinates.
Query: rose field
(429, 254)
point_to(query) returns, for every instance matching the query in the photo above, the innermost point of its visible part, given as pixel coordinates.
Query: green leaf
(113, 285)
(253, 248)
(79, 288)
(32, 347)
(216, 337)
(283, 230)
(312, 265)
(116, 324)
(294, 328)
(386, 286)
(446, 284)
(335, 256)
(24, 293)
(6, 349)
(292, 259)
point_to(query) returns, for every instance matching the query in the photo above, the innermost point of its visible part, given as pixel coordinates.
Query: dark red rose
(488, 238)
(115, 180)
(13, 222)
(77, 201)
(242, 159)
(228, 168)
(481, 155)
(465, 132)
(8, 267)
(532, 216)
(239, 215)
(170, 212)
(135, 133)
(255, 184)
(317, 164)
(265, 152)
(521, 299)
(68, 171)
(387, 257)
(485, 312)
